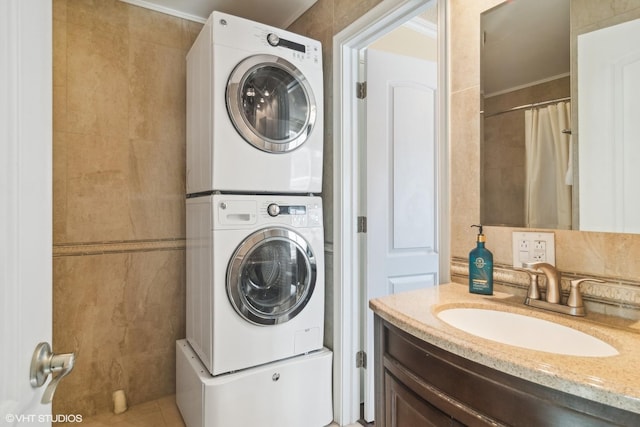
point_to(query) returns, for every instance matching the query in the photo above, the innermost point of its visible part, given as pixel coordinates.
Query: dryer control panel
(299, 47)
(243, 35)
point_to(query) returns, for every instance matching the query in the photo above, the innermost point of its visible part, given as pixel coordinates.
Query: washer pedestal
(290, 393)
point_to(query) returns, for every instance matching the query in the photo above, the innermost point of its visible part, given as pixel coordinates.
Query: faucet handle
(534, 290)
(575, 297)
(553, 280)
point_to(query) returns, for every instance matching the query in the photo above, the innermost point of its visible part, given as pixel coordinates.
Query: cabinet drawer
(407, 409)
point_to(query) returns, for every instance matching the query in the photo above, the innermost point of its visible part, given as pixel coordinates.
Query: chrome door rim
(238, 299)
(236, 82)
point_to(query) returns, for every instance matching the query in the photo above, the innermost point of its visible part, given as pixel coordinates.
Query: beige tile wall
(607, 255)
(119, 226)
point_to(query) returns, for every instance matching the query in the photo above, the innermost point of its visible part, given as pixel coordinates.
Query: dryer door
(271, 276)
(271, 103)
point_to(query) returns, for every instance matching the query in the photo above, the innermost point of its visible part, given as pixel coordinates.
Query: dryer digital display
(293, 210)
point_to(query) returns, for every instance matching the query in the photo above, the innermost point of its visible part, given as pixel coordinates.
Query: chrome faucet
(574, 305)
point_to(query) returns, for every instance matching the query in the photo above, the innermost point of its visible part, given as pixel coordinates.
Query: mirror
(525, 67)
(529, 166)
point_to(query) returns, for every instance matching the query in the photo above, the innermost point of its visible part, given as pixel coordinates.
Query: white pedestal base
(290, 393)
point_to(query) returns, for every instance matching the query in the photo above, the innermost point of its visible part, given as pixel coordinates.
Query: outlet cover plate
(533, 246)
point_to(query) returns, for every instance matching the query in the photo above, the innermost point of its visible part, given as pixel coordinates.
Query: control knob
(273, 39)
(273, 209)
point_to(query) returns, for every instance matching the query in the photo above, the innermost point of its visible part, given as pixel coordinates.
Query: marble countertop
(613, 380)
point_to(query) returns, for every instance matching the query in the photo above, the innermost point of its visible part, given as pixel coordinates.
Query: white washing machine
(254, 109)
(255, 279)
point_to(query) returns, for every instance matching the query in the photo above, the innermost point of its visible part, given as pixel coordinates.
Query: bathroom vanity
(429, 373)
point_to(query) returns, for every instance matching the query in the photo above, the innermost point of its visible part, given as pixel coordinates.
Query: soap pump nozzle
(481, 237)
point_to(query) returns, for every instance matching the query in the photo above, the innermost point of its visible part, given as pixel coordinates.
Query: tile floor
(157, 413)
(162, 412)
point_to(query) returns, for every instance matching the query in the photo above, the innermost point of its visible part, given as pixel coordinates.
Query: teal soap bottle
(480, 267)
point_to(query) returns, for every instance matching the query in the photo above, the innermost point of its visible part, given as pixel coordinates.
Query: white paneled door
(401, 170)
(25, 204)
(609, 129)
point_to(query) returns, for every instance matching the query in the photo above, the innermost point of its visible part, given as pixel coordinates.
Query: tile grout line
(100, 248)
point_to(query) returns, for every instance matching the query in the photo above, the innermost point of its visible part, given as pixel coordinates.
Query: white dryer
(254, 109)
(255, 279)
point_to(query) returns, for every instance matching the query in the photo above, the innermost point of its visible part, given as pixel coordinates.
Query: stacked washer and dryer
(255, 247)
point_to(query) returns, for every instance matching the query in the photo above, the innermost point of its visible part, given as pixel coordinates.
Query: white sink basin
(526, 332)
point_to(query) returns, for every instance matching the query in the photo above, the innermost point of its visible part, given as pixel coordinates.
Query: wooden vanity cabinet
(418, 384)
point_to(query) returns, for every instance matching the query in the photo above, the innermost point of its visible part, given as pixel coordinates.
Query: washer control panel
(298, 215)
(275, 209)
(244, 211)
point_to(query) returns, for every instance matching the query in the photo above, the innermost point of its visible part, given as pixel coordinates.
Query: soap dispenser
(480, 267)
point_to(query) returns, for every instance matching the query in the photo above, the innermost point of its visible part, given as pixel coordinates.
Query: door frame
(347, 128)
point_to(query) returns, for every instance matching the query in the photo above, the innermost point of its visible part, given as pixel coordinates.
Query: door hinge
(361, 90)
(362, 224)
(361, 359)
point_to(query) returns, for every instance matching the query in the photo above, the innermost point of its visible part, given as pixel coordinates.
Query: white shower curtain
(547, 195)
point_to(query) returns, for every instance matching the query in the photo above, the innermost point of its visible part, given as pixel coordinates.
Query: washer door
(271, 103)
(271, 276)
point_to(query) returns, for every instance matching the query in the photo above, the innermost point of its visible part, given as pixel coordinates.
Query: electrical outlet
(539, 253)
(538, 256)
(524, 245)
(533, 247)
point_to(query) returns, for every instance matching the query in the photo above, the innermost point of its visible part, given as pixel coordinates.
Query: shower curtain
(547, 194)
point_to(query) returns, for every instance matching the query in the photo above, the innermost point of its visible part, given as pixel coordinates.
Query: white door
(401, 238)
(609, 130)
(25, 204)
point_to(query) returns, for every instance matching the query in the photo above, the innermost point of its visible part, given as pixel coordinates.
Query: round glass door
(271, 276)
(271, 103)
